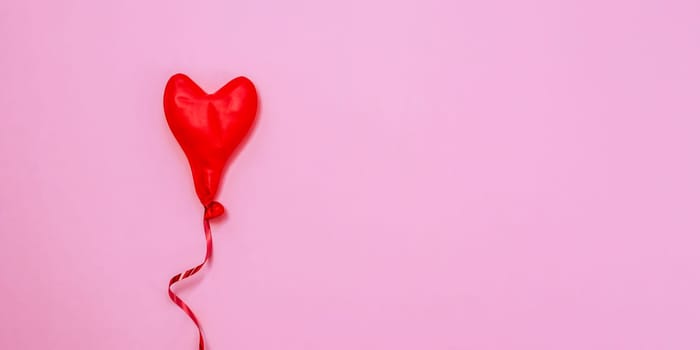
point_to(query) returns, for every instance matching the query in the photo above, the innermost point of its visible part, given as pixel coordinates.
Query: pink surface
(425, 175)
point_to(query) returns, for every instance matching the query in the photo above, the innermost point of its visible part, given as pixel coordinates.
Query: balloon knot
(213, 210)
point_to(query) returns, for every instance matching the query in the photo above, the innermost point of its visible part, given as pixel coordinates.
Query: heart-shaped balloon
(209, 128)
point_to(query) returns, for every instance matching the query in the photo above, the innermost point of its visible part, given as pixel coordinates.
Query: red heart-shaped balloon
(209, 127)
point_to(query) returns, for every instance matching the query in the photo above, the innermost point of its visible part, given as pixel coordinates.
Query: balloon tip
(213, 210)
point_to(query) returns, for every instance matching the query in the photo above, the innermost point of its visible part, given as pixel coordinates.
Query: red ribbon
(213, 210)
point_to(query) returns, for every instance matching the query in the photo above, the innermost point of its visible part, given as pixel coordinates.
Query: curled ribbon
(214, 209)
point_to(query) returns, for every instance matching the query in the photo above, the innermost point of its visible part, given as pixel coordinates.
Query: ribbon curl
(214, 209)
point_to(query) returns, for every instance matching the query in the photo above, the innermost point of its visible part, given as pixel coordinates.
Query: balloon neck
(213, 209)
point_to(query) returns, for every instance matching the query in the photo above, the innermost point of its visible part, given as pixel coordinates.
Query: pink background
(424, 175)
